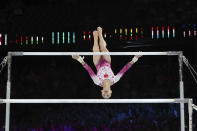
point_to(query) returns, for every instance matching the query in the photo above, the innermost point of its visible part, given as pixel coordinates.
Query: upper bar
(94, 100)
(92, 53)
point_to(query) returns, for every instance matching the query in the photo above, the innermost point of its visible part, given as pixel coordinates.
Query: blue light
(53, 42)
(74, 37)
(68, 37)
(194, 26)
(63, 40)
(58, 39)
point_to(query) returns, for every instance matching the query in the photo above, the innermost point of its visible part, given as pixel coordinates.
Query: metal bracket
(174, 52)
(16, 53)
(1, 101)
(194, 107)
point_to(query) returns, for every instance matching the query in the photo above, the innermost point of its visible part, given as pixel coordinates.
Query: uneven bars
(91, 53)
(94, 100)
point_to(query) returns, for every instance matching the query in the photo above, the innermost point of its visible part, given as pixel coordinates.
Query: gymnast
(105, 77)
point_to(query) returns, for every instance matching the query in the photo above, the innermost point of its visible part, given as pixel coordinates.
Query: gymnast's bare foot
(101, 39)
(95, 34)
(100, 31)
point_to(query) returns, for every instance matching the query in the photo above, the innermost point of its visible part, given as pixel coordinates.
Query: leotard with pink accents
(104, 71)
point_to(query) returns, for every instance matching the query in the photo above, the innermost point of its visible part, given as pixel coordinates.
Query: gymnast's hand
(138, 56)
(135, 59)
(78, 58)
(75, 57)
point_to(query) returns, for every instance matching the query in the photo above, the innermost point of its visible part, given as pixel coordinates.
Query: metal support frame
(194, 107)
(181, 84)
(190, 111)
(181, 88)
(8, 93)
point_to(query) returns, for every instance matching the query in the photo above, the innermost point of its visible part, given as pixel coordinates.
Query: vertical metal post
(190, 111)
(8, 92)
(181, 85)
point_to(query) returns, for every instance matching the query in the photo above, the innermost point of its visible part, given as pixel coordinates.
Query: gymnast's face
(106, 93)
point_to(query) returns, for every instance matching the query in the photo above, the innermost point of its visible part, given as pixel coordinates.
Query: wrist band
(80, 59)
(134, 59)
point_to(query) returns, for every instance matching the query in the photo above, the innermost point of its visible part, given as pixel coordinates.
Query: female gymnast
(105, 77)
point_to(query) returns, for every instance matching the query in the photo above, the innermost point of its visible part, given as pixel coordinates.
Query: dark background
(63, 78)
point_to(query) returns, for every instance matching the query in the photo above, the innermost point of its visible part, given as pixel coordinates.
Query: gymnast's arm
(126, 68)
(88, 68)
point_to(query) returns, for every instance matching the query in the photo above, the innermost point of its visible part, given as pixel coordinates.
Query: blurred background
(67, 25)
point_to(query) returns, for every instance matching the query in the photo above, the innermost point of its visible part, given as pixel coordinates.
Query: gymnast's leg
(103, 45)
(96, 48)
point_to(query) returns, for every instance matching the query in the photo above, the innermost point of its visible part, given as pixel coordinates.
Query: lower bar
(94, 100)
